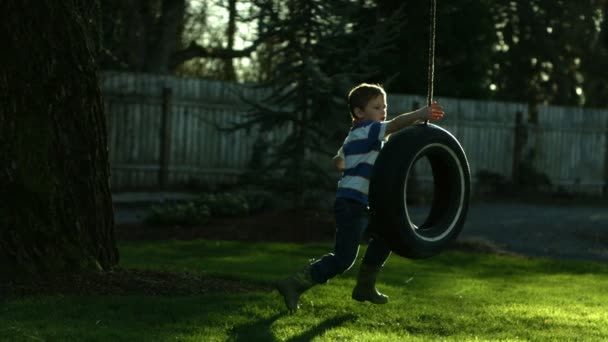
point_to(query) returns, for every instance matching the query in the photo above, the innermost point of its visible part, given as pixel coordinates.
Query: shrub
(260, 200)
(185, 214)
(318, 199)
(224, 204)
(491, 183)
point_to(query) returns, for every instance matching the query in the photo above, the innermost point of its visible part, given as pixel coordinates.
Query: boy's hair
(360, 95)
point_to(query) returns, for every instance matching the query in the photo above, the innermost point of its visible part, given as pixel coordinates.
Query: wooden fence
(163, 132)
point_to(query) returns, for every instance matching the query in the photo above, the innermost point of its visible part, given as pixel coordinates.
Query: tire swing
(452, 181)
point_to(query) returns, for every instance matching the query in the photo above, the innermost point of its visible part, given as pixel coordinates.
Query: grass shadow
(255, 331)
(260, 330)
(323, 327)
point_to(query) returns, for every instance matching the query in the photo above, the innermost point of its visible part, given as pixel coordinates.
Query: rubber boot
(365, 290)
(293, 286)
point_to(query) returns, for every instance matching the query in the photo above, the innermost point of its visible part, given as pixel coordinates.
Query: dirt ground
(564, 231)
(125, 282)
(287, 226)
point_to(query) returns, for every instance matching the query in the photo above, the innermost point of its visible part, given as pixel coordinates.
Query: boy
(356, 157)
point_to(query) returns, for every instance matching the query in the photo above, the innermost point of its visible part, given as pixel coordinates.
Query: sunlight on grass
(455, 296)
(253, 261)
(452, 297)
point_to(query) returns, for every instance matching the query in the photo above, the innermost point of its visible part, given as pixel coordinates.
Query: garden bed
(278, 226)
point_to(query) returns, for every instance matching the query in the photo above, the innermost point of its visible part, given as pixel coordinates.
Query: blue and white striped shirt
(359, 151)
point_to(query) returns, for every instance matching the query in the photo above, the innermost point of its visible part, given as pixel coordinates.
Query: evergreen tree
(319, 56)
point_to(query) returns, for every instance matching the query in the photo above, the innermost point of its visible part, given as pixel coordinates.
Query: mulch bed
(126, 282)
(288, 226)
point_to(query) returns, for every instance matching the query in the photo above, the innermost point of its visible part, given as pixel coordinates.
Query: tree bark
(56, 210)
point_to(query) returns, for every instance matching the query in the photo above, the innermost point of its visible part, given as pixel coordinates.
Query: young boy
(356, 157)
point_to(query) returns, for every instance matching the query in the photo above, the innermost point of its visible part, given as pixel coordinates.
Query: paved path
(579, 232)
(571, 232)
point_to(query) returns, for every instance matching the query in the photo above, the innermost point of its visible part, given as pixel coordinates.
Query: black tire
(387, 191)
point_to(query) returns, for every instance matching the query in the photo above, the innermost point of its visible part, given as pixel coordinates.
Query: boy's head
(367, 102)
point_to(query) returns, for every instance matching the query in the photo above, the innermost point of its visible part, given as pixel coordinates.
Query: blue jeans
(352, 219)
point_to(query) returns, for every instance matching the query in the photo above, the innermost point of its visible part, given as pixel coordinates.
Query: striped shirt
(359, 151)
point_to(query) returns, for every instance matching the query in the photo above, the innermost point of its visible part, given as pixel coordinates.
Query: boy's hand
(339, 163)
(432, 112)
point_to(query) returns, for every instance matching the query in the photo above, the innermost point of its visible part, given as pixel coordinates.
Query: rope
(431, 63)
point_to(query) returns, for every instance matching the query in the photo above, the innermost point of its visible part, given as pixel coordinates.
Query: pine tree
(321, 55)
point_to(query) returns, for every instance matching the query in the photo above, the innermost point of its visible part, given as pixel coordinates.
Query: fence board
(570, 144)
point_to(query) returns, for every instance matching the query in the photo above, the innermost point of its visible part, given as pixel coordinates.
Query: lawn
(456, 296)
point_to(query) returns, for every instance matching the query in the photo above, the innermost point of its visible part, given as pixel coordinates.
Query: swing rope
(431, 63)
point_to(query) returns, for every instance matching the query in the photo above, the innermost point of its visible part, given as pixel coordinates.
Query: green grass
(453, 297)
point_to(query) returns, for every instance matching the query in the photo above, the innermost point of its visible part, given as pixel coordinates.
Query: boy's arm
(432, 112)
(339, 160)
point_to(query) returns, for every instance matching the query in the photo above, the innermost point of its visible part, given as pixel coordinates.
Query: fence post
(519, 142)
(165, 139)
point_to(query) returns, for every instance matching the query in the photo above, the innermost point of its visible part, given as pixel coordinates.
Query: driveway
(560, 231)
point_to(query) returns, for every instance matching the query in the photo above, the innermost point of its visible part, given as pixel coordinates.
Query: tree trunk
(229, 74)
(165, 35)
(56, 210)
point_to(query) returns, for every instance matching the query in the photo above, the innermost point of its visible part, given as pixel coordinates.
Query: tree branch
(195, 50)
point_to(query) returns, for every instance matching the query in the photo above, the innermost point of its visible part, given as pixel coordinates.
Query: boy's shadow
(260, 330)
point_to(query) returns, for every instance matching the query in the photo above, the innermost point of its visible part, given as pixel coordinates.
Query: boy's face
(375, 109)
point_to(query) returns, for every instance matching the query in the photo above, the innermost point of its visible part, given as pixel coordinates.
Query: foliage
(259, 200)
(318, 199)
(531, 178)
(463, 47)
(539, 51)
(490, 183)
(224, 204)
(532, 51)
(544, 49)
(184, 214)
(306, 99)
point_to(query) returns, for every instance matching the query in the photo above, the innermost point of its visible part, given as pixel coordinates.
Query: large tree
(55, 203)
